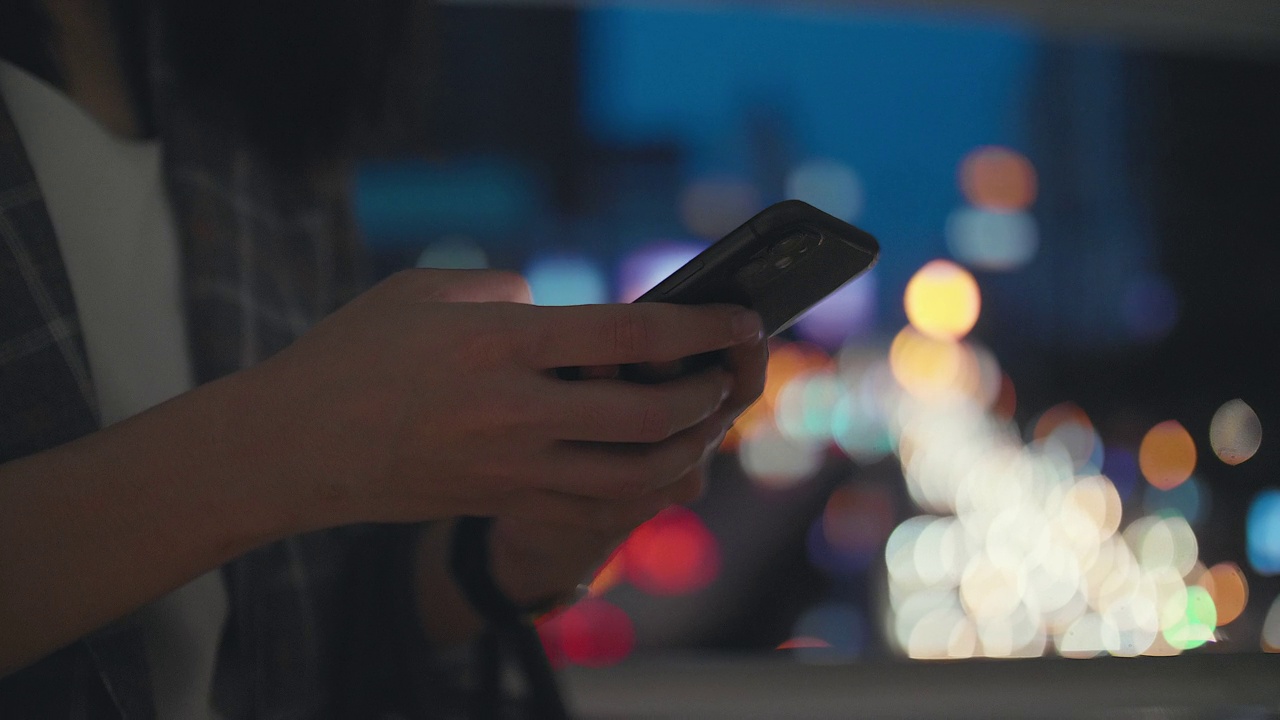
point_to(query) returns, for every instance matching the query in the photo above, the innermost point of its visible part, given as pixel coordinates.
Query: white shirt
(105, 196)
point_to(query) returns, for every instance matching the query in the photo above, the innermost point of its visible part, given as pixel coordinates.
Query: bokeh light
(1121, 465)
(829, 185)
(592, 633)
(1070, 427)
(942, 300)
(1229, 589)
(930, 368)
(998, 178)
(1262, 532)
(847, 313)
(1235, 433)
(1189, 499)
(1167, 455)
(672, 554)
(711, 207)
(854, 524)
(651, 264)
(993, 241)
(1271, 628)
(803, 641)
(453, 252)
(566, 280)
(775, 461)
(841, 626)
(1197, 623)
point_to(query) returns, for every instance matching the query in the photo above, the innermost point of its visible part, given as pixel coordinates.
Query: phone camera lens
(784, 262)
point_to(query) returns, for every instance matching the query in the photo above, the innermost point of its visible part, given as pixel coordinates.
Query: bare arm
(403, 406)
(96, 528)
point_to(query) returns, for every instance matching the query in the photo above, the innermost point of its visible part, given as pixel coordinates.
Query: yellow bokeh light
(930, 368)
(999, 179)
(1235, 432)
(1167, 455)
(943, 300)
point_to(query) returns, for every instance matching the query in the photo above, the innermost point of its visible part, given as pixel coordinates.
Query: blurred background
(1043, 426)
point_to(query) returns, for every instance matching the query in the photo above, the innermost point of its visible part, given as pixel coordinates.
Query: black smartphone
(779, 263)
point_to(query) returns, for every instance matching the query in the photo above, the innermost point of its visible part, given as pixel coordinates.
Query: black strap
(507, 625)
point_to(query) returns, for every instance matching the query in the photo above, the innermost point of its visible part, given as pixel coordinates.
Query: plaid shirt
(320, 625)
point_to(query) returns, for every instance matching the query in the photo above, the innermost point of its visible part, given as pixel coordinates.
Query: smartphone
(779, 263)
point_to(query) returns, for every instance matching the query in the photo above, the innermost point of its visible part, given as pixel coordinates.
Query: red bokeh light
(672, 554)
(592, 633)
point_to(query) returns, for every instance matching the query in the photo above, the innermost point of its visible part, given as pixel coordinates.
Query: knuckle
(632, 333)
(654, 423)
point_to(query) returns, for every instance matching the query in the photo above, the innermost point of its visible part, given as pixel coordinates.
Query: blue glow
(1189, 499)
(842, 625)
(902, 97)
(401, 202)
(1121, 465)
(997, 241)
(567, 280)
(1263, 532)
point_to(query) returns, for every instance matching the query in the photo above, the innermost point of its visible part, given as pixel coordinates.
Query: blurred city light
(839, 628)
(672, 554)
(453, 252)
(999, 179)
(1189, 499)
(566, 280)
(1271, 628)
(1229, 589)
(651, 264)
(847, 313)
(1262, 532)
(1167, 455)
(993, 241)
(829, 185)
(942, 300)
(592, 633)
(1235, 432)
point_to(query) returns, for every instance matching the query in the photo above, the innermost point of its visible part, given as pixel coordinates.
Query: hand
(424, 398)
(535, 559)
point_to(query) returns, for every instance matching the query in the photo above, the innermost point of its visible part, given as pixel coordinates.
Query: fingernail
(746, 326)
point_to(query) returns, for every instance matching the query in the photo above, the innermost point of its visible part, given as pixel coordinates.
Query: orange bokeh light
(1229, 589)
(1167, 455)
(998, 179)
(943, 300)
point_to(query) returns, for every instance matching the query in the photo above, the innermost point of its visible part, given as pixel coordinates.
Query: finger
(613, 411)
(469, 286)
(583, 335)
(747, 363)
(622, 471)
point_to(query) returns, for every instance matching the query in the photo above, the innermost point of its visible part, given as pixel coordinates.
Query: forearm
(96, 528)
